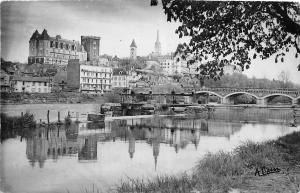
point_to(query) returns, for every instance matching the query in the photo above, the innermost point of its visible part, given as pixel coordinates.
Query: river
(86, 156)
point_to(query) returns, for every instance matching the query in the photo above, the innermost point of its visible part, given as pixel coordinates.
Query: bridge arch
(209, 92)
(239, 93)
(278, 94)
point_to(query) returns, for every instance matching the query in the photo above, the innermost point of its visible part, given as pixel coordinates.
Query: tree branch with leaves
(234, 32)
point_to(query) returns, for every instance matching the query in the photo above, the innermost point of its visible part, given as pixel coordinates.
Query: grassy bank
(224, 171)
(59, 97)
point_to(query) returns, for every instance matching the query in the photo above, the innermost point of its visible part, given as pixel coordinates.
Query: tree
(234, 32)
(284, 78)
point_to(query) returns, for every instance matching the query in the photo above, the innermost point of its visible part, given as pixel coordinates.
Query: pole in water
(58, 116)
(48, 116)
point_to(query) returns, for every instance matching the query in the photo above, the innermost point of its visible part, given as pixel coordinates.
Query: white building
(4, 81)
(89, 77)
(32, 84)
(120, 78)
(230, 69)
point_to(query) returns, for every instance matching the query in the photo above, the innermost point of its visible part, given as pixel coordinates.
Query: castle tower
(91, 45)
(133, 49)
(157, 48)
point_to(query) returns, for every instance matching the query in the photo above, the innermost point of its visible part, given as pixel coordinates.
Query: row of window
(94, 87)
(97, 74)
(119, 78)
(35, 83)
(61, 45)
(97, 81)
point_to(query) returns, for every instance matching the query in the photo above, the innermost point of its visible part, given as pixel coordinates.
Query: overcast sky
(117, 22)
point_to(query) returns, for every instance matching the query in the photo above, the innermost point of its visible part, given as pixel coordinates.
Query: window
(23, 82)
(56, 44)
(45, 83)
(51, 44)
(73, 47)
(61, 45)
(67, 46)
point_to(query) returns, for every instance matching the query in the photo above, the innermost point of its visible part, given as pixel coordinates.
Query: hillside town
(56, 64)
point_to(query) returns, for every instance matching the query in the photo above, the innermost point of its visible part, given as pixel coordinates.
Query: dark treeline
(238, 80)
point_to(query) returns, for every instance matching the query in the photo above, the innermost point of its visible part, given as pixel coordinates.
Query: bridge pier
(227, 100)
(261, 101)
(294, 101)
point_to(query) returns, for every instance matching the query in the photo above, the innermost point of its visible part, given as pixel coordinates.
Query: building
(92, 46)
(5, 81)
(32, 84)
(133, 50)
(44, 49)
(89, 76)
(230, 69)
(120, 78)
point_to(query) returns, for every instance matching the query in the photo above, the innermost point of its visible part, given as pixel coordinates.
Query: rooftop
(119, 72)
(133, 44)
(31, 79)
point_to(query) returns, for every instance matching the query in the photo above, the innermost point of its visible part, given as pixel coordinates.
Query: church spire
(157, 47)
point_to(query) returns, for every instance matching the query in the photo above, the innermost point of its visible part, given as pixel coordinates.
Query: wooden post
(22, 120)
(48, 116)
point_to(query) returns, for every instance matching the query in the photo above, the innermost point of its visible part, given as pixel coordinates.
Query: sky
(117, 22)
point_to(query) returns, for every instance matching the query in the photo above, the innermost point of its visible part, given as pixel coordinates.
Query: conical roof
(133, 44)
(35, 35)
(44, 35)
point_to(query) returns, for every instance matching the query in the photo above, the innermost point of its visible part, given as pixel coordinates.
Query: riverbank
(273, 166)
(55, 98)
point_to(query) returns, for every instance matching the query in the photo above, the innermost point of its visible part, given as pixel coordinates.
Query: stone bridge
(262, 95)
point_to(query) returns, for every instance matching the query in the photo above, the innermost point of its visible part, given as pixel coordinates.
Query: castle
(57, 51)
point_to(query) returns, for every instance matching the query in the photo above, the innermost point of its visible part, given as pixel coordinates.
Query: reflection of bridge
(262, 95)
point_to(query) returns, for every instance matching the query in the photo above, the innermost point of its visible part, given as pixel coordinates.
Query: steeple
(133, 49)
(157, 48)
(133, 44)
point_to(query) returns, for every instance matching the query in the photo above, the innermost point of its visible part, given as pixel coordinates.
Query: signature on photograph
(263, 171)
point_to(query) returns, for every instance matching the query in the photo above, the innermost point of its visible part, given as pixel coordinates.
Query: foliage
(234, 32)
(225, 170)
(239, 80)
(112, 97)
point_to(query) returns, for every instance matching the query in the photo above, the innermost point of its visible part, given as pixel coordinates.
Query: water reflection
(102, 153)
(81, 139)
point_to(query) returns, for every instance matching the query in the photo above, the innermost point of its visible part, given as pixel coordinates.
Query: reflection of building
(36, 149)
(131, 148)
(156, 145)
(88, 149)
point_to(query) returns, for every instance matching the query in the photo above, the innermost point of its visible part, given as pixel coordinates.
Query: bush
(112, 98)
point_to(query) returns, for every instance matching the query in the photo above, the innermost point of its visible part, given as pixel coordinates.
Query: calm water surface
(85, 155)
